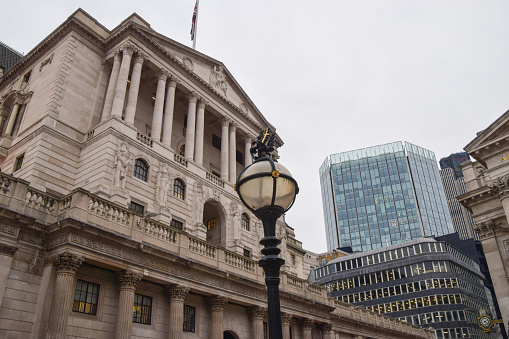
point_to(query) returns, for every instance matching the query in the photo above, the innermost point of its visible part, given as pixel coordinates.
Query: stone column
(307, 327)
(233, 153)
(67, 264)
(128, 282)
(134, 88)
(177, 295)
(168, 111)
(120, 88)
(157, 116)
(224, 148)
(217, 304)
(326, 331)
(200, 130)
(191, 122)
(286, 318)
(248, 160)
(12, 119)
(6, 253)
(110, 92)
(257, 313)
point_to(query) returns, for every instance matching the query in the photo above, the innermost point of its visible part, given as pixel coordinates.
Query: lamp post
(268, 190)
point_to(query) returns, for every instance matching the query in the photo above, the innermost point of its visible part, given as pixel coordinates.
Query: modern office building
(424, 282)
(118, 215)
(462, 219)
(382, 195)
(8, 58)
(454, 161)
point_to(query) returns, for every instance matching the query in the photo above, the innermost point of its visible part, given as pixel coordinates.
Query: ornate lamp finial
(263, 145)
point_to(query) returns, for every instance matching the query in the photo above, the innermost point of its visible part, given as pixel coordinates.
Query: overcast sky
(332, 76)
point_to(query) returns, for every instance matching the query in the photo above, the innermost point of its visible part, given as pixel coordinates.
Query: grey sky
(332, 76)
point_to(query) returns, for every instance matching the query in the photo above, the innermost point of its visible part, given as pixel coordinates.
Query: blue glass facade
(382, 195)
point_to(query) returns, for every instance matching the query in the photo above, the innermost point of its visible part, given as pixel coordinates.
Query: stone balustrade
(180, 159)
(39, 200)
(109, 211)
(215, 179)
(144, 139)
(5, 183)
(201, 247)
(240, 262)
(160, 231)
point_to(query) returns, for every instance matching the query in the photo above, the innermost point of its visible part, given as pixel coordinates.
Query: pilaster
(286, 319)
(217, 305)
(257, 314)
(128, 282)
(177, 295)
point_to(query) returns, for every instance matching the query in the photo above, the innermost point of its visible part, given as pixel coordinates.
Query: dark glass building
(8, 57)
(382, 195)
(424, 282)
(454, 161)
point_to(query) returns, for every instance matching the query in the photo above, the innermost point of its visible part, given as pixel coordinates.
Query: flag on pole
(193, 25)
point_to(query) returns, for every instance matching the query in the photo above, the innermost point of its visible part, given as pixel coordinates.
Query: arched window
(211, 223)
(182, 150)
(245, 222)
(140, 169)
(178, 189)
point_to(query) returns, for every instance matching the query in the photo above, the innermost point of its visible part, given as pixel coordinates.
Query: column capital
(306, 323)
(116, 55)
(128, 48)
(173, 81)
(225, 121)
(248, 138)
(128, 279)
(235, 125)
(140, 57)
(8, 250)
(177, 292)
(326, 327)
(162, 74)
(217, 303)
(67, 262)
(257, 312)
(286, 318)
(192, 97)
(106, 66)
(202, 103)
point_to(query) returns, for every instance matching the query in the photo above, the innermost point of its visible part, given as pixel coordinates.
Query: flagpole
(196, 23)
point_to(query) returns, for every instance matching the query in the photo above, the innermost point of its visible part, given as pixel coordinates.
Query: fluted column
(66, 264)
(233, 153)
(326, 330)
(286, 318)
(120, 88)
(177, 295)
(168, 111)
(257, 313)
(247, 150)
(307, 327)
(217, 305)
(191, 122)
(12, 119)
(224, 148)
(157, 116)
(200, 130)
(128, 282)
(110, 92)
(134, 88)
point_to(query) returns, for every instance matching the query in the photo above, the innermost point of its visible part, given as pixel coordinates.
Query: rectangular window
(142, 310)
(26, 77)
(247, 253)
(137, 207)
(292, 259)
(85, 297)
(216, 141)
(189, 318)
(265, 331)
(239, 156)
(176, 224)
(19, 162)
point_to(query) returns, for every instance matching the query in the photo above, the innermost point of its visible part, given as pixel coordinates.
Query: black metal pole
(271, 264)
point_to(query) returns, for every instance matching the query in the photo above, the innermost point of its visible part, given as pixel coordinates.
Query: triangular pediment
(497, 131)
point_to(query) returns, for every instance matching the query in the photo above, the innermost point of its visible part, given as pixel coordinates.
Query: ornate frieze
(501, 186)
(217, 303)
(9, 229)
(177, 292)
(188, 63)
(8, 250)
(217, 79)
(46, 61)
(30, 237)
(490, 228)
(67, 262)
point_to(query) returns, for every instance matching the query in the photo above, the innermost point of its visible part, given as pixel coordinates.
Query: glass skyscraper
(382, 195)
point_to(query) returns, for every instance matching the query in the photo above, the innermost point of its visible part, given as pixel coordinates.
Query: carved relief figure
(122, 159)
(199, 202)
(218, 79)
(282, 236)
(163, 184)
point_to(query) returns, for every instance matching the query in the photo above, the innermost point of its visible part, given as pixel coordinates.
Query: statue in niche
(199, 202)
(163, 184)
(218, 79)
(282, 236)
(122, 159)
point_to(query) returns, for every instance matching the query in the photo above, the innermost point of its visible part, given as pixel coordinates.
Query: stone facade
(100, 128)
(487, 185)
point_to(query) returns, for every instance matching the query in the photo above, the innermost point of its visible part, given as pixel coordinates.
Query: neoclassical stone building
(118, 217)
(487, 184)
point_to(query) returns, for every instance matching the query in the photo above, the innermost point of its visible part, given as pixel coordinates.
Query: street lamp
(268, 190)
